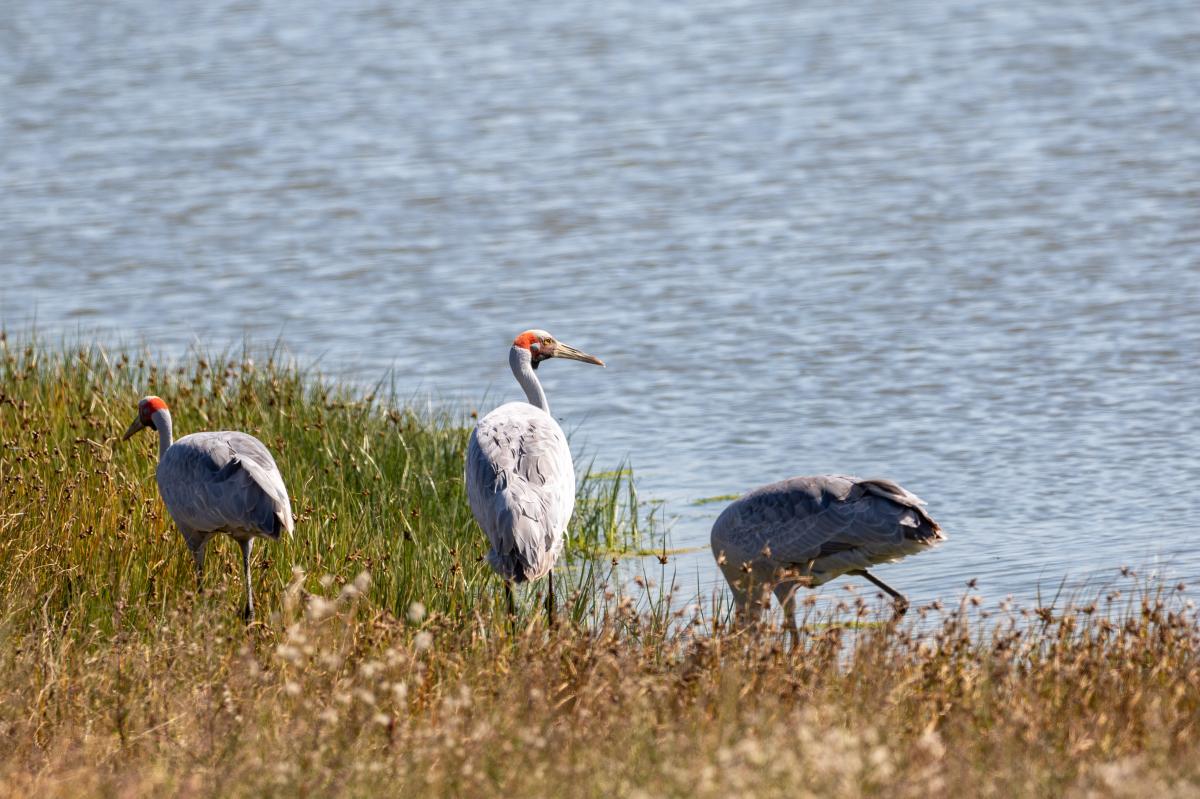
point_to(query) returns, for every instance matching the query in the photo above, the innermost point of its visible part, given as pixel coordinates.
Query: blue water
(956, 244)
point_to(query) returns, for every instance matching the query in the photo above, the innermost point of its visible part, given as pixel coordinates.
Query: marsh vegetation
(383, 662)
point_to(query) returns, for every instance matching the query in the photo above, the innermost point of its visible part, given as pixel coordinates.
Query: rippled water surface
(953, 243)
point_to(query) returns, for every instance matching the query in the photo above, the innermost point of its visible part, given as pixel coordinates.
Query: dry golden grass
(340, 697)
(117, 679)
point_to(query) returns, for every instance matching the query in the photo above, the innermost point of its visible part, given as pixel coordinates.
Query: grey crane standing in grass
(519, 472)
(222, 482)
(808, 530)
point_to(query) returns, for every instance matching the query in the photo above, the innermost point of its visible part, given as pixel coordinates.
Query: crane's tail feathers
(283, 524)
(921, 526)
(512, 567)
(925, 535)
(508, 566)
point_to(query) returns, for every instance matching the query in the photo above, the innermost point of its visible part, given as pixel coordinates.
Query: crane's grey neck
(162, 423)
(522, 368)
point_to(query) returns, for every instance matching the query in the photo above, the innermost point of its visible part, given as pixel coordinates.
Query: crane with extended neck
(519, 473)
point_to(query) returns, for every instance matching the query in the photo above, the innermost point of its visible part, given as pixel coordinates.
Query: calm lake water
(955, 243)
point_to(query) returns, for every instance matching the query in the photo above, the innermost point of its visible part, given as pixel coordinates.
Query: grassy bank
(375, 487)
(116, 678)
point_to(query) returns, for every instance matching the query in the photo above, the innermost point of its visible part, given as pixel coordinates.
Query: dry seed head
(931, 744)
(358, 587)
(288, 653)
(319, 607)
(416, 612)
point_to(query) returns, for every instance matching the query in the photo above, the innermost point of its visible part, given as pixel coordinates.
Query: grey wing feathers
(788, 521)
(224, 481)
(260, 465)
(521, 488)
(830, 523)
(893, 492)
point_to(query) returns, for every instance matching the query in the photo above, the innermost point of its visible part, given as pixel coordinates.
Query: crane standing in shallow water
(808, 530)
(222, 482)
(519, 473)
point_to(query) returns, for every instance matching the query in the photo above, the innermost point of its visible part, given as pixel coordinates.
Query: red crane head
(147, 407)
(541, 346)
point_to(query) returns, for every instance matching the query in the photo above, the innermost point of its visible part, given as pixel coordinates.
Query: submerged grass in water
(715, 499)
(117, 679)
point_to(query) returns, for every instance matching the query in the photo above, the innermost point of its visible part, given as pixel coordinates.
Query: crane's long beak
(133, 428)
(565, 351)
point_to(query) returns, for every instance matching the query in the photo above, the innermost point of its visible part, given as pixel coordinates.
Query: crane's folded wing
(224, 481)
(521, 488)
(806, 518)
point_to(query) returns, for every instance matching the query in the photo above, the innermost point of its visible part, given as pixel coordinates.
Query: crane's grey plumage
(519, 473)
(219, 482)
(809, 530)
(521, 486)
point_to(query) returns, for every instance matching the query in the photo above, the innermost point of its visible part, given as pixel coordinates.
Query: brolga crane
(519, 473)
(221, 482)
(808, 530)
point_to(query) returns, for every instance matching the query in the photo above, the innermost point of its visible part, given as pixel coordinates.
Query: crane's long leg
(198, 556)
(805, 578)
(512, 604)
(246, 544)
(196, 544)
(901, 602)
(788, 600)
(550, 597)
